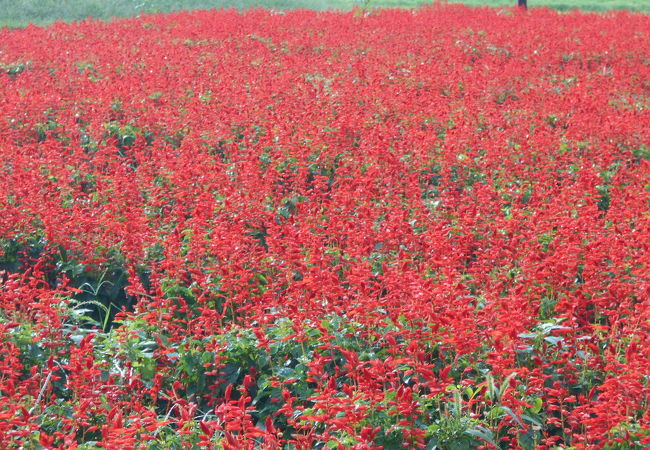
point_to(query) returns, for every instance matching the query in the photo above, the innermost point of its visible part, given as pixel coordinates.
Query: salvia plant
(321, 230)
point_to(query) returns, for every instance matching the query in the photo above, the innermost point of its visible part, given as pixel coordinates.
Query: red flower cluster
(327, 230)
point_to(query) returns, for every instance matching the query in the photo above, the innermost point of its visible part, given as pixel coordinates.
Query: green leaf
(506, 384)
(527, 335)
(537, 405)
(532, 420)
(553, 340)
(514, 416)
(483, 433)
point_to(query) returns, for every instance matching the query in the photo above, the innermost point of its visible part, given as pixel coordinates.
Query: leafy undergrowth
(420, 229)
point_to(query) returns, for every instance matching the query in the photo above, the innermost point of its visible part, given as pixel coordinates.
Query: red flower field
(404, 228)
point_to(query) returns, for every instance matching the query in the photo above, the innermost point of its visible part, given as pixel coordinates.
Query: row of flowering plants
(376, 229)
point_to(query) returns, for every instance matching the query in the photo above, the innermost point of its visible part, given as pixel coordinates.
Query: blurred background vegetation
(18, 13)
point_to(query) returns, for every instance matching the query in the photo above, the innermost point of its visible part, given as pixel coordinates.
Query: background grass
(17, 13)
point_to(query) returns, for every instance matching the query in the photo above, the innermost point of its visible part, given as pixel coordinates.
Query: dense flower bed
(306, 230)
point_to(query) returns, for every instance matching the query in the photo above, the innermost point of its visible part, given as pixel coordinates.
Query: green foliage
(16, 68)
(124, 135)
(15, 250)
(101, 296)
(200, 369)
